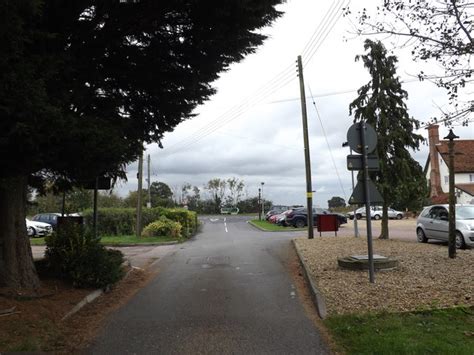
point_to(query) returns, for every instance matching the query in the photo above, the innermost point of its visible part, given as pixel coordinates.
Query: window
(471, 177)
(446, 179)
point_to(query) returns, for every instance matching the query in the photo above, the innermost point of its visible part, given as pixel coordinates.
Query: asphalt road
(227, 291)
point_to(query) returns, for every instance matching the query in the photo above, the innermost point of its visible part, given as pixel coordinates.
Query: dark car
(50, 218)
(298, 218)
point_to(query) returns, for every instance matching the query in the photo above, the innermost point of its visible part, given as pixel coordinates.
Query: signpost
(362, 139)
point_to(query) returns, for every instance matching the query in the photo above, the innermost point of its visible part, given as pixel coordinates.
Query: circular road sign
(355, 140)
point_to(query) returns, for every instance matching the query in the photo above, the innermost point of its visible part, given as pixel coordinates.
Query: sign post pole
(367, 202)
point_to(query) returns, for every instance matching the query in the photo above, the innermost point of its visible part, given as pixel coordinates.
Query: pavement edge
(95, 294)
(317, 297)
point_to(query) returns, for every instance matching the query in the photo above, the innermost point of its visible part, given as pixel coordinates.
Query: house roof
(467, 188)
(464, 154)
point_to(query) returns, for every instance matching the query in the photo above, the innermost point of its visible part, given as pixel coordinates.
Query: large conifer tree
(381, 103)
(83, 84)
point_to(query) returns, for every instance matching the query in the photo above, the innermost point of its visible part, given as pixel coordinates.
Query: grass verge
(444, 331)
(271, 227)
(118, 240)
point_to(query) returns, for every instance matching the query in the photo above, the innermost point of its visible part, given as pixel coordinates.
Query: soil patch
(33, 322)
(425, 278)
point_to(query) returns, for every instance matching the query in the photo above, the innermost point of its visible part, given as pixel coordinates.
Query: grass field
(444, 331)
(118, 240)
(271, 227)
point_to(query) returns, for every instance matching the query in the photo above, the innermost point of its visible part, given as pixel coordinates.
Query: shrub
(188, 219)
(163, 227)
(122, 221)
(77, 256)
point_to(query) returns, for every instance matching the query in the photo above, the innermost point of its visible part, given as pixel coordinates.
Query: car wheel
(31, 232)
(300, 223)
(358, 216)
(460, 244)
(420, 236)
(351, 217)
(399, 216)
(376, 217)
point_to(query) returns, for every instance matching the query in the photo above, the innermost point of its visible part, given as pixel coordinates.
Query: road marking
(225, 225)
(224, 219)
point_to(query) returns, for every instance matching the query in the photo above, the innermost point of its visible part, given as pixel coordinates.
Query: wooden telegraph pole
(139, 196)
(307, 160)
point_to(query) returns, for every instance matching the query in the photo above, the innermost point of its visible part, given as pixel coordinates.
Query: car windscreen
(465, 212)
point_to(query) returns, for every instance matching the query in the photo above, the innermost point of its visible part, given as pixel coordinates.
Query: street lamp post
(263, 202)
(452, 199)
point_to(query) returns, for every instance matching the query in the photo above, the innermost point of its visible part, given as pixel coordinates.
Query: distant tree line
(216, 193)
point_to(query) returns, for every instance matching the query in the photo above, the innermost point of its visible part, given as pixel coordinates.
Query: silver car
(433, 224)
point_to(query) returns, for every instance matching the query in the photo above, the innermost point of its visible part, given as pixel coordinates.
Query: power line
(329, 23)
(282, 79)
(329, 147)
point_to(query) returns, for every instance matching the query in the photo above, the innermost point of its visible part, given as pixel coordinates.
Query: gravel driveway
(425, 278)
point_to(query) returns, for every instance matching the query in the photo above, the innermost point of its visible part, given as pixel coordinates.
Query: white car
(38, 229)
(376, 213)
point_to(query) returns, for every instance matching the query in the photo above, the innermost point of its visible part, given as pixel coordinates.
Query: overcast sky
(252, 130)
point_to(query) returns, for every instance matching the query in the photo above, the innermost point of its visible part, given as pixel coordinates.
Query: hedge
(122, 221)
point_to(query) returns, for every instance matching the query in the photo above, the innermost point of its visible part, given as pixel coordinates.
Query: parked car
(51, 218)
(376, 213)
(433, 223)
(298, 218)
(281, 218)
(38, 229)
(358, 213)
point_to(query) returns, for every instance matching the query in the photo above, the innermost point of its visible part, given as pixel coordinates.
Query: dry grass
(425, 278)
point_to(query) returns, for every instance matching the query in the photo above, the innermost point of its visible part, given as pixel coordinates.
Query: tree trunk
(17, 269)
(384, 229)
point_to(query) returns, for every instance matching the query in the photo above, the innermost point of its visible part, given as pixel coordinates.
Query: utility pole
(263, 203)
(139, 195)
(149, 192)
(259, 202)
(307, 160)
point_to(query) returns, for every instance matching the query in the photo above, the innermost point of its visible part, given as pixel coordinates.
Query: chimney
(435, 178)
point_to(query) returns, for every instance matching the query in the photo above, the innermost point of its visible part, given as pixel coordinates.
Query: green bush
(77, 256)
(122, 221)
(188, 219)
(163, 227)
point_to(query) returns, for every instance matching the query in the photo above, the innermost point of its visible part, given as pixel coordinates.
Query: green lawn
(116, 240)
(271, 227)
(448, 331)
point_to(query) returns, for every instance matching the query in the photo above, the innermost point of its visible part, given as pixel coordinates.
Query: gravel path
(425, 278)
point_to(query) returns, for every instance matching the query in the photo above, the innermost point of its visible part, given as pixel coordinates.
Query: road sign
(355, 162)
(358, 196)
(354, 138)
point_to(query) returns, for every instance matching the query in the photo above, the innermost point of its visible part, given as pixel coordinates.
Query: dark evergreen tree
(84, 84)
(381, 103)
(336, 201)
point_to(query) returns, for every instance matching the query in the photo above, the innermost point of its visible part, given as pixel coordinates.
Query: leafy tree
(217, 189)
(336, 201)
(435, 30)
(161, 195)
(84, 84)
(381, 103)
(236, 188)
